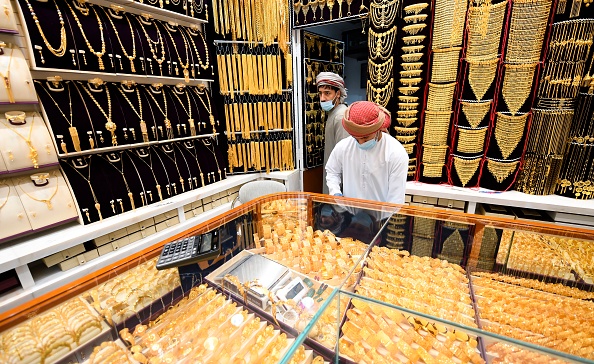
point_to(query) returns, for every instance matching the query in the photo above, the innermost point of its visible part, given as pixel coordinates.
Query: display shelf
(47, 280)
(74, 75)
(135, 7)
(135, 145)
(506, 198)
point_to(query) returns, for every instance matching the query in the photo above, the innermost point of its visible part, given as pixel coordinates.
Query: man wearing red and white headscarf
(371, 165)
(332, 92)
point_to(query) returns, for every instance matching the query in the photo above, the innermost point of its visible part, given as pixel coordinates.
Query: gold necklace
(174, 160)
(485, 23)
(481, 75)
(72, 130)
(380, 73)
(188, 110)
(517, 84)
(203, 64)
(528, 25)
(99, 54)
(10, 116)
(132, 57)
(432, 170)
(150, 165)
(154, 49)
(440, 96)
(448, 24)
(471, 141)
(445, 64)
(383, 12)
(58, 52)
(381, 44)
(109, 125)
(208, 108)
(6, 79)
(46, 201)
(210, 147)
(501, 169)
(380, 95)
(475, 111)
(88, 179)
(437, 125)
(466, 168)
(143, 127)
(509, 130)
(168, 127)
(434, 153)
(185, 66)
(112, 162)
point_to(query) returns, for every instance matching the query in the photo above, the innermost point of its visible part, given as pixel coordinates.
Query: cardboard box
(197, 207)
(425, 199)
(131, 229)
(407, 198)
(69, 264)
(207, 206)
(101, 240)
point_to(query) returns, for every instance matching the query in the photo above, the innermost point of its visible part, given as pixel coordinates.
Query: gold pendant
(98, 207)
(75, 139)
(169, 129)
(48, 204)
(202, 179)
(144, 131)
(131, 200)
(187, 75)
(111, 127)
(181, 181)
(159, 192)
(33, 154)
(192, 127)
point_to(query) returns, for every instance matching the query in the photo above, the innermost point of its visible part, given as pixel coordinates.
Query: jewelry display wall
(17, 85)
(309, 12)
(320, 54)
(92, 38)
(91, 116)
(447, 38)
(109, 183)
(552, 135)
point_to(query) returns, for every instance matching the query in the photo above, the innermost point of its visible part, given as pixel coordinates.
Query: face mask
(327, 105)
(368, 144)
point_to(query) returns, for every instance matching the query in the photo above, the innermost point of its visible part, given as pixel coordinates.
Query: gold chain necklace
(155, 49)
(185, 66)
(471, 141)
(150, 165)
(132, 57)
(481, 75)
(440, 96)
(121, 171)
(109, 125)
(188, 110)
(466, 168)
(143, 127)
(437, 125)
(508, 132)
(380, 73)
(485, 24)
(381, 44)
(99, 54)
(88, 179)
(46, 201)
(380, 95)
(383, 13)
(448, 25)
(501, 169)
(174, 160)
(432, 170)
(445, 64)
(517, 84)
(434, 153)
(58, 52)
(204, 65)
(528, 25)
(72, 130)
(10, 116)
(208, 108)
(475, 111)
(168, 127)
(210, 147)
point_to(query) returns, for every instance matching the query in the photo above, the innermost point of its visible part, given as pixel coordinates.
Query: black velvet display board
(106, 31)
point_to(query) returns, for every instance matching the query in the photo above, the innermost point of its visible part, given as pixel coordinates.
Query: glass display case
(301, 278)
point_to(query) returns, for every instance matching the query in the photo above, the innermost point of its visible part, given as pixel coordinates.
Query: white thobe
(333, 133)
(378, 174)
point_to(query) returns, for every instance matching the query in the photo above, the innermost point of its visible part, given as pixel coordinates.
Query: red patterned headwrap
(363, 118)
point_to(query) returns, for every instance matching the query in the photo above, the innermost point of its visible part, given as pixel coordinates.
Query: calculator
(189, 250)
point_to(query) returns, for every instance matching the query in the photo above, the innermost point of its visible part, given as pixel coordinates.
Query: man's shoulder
(394, 146)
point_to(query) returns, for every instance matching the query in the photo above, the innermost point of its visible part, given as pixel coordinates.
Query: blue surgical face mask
(368, 144)
(327, 105)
